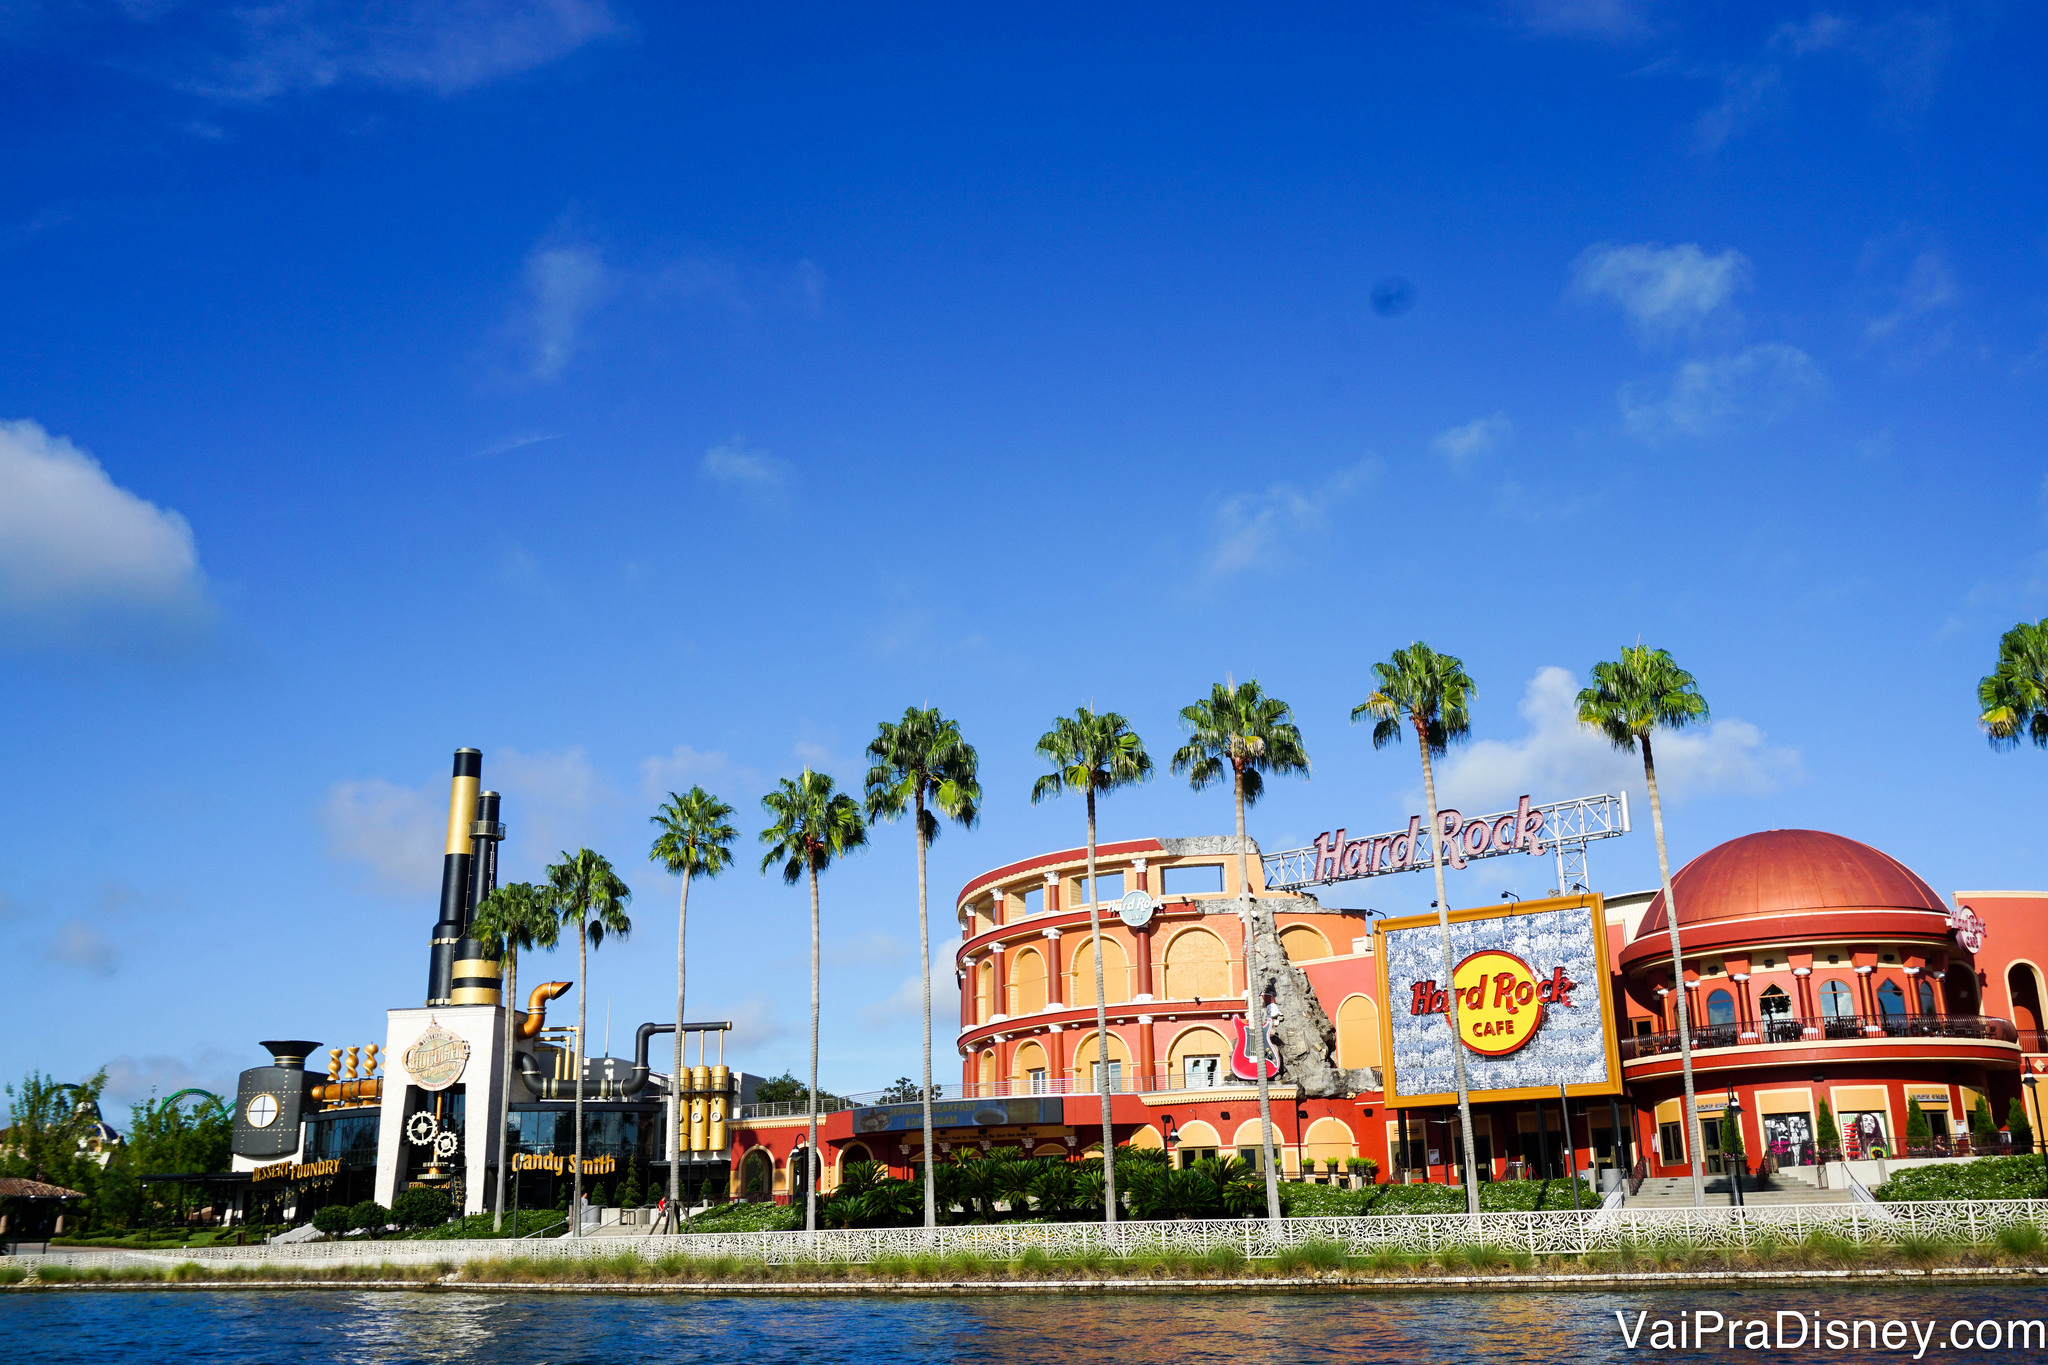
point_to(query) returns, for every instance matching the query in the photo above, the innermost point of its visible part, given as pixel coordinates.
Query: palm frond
(1090, 749)
(696, 834)
(1431, 691)
(2012, 699)
(922, 762)
(814, 825)
(1642, 691)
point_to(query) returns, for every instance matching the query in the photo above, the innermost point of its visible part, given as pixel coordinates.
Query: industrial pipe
(476, 979)
(602, 1087)
(534, 1017)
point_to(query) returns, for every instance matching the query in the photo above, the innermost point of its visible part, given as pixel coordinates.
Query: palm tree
(1432, 692)
(1629, 698)
(922, 763)
(2014, 696)
(695, 841)
(1094, 752)
(1240, 730)
(513, 919)
(813, 826)
(584, 891)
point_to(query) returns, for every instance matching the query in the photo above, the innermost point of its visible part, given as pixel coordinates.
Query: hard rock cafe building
(1817, 970)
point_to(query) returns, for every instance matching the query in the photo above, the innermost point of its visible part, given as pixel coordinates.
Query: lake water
(387, 1328)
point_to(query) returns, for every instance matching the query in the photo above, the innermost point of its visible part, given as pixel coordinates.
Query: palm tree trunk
(1692, 1114)
(675, 1079)
(811, 1163)
(1443, 919)
(1255, 1008)
(1101, 1029)
(924, 960)
(505, 1100)
(576, 1070)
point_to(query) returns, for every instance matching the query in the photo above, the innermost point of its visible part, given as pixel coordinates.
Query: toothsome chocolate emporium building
(1830, 989)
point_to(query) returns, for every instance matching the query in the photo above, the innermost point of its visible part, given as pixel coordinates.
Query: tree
(164, 1138)
(1830, 1138)
(1433, 693)
(2017, 1124)
(695, 841)
(1731, 1135)
(921, 764)
(815, 825)
(514, 918)
(1642, 691)
(1983, 1128)
(1094, 752)
(1240, 731)
(1919, 1133)
(48, 1123)
(584, 891)
(2013, 697)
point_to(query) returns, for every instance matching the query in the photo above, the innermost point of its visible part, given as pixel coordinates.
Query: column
(999, 995)
(1145, 1054)
(1138, 878)
(1142, 943)
(1052, 893)
(1055, 978)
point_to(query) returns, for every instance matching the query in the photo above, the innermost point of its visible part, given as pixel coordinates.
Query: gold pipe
(535, 1016)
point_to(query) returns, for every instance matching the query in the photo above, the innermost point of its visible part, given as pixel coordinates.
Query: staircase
(1791, 1185)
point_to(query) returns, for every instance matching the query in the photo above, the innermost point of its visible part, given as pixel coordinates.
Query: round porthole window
(262, 1111)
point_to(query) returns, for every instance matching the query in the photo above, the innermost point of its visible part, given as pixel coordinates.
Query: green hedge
(1501, 1196)
(1986, 1177)
(748, 1218)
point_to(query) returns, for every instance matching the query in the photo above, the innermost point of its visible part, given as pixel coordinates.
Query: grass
(2017, 1245)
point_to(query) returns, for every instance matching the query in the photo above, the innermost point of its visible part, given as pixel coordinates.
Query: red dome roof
(1789, 870)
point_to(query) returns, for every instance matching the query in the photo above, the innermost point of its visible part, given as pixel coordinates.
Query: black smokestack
(476, 979)
(455, 875)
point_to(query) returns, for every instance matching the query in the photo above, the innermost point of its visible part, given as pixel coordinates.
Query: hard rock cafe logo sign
(436, 1058)
(1501, 1000)
(1964, 923)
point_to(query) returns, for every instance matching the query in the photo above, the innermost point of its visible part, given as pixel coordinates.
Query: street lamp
(1735, 1170)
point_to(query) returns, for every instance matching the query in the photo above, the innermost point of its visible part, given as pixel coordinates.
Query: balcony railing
(2033, 1040)
(1784, 1029)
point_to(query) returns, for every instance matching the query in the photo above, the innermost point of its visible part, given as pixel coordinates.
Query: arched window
(1774, 1003)
(1197, 967)
(1116, 974)
(1027, 983)
(1720, 1008)
(1358, 1033)
(1890, 999)
(1835, 1000)
(1961, 984)
(1303, 944)
(1925, 990)
(2024, 990)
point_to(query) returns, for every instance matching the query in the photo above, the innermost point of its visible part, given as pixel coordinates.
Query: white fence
(1559, 1233)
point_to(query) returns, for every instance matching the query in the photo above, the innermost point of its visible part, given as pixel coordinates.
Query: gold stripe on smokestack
(461, 811)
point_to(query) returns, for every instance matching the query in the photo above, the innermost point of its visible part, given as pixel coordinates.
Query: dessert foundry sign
(1535, 1003)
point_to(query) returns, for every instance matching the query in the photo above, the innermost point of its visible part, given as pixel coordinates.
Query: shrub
(332, 1219)
(368, 1215)
(1985, 1177)
(1918, 1132)
(421, 1208)
(1983, 1128)
(2022, 1240)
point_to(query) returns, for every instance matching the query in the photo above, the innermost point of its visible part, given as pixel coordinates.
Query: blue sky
(649, 395)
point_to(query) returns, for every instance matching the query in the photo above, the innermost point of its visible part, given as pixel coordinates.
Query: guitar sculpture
(1241, 1065)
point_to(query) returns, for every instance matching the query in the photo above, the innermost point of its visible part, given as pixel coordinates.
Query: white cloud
(1252, 530)
(755, 1024)
(564, 285)
(258, 52)
(83, 560)
(82, 944)
(1560, 758)
(1928, 290)
(1663, 290)
(1753, 386)
(397, 833)
(751, 471)
(1481, 436)
(1904, 54)
(132, 1079)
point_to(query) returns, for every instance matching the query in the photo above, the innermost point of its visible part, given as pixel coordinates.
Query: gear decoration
(421, 1129)
(445, 1143)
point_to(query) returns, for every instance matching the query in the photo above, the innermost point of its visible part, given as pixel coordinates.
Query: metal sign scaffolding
(1564, 830)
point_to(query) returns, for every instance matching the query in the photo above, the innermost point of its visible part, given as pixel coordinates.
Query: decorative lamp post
(1737, 1161)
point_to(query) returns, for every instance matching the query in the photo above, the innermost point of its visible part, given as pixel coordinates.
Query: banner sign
(1535, 1003)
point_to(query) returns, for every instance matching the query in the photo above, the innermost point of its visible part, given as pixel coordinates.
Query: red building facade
(1818, 971)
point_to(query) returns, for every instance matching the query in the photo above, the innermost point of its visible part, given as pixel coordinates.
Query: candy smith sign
(1534, 997)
